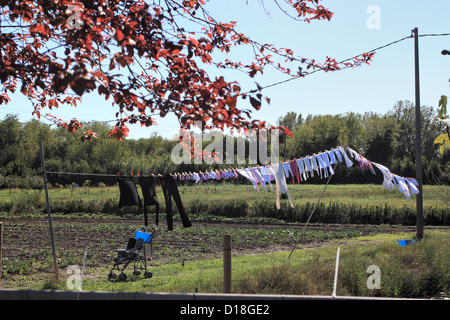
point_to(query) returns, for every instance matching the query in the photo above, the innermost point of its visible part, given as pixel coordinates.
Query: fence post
(226, 263)
(336, 273)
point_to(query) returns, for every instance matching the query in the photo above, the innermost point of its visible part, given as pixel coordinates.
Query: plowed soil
(29, 240)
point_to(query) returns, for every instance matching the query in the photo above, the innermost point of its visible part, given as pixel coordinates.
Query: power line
(370, 51)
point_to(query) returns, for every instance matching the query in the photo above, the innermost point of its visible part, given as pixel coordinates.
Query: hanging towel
(128, 192)
(170, 190)
(148, 187)
(280, 179)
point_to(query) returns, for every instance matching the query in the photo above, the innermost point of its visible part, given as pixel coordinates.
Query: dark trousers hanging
(170, 190)
(128, 192)
(149, 193)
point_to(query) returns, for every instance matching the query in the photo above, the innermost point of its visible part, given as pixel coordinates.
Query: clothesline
(320, 164)
(298, 169)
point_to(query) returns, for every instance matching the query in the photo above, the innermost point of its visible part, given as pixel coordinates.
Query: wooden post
(226, 263)
(49, 213)
(419, 198)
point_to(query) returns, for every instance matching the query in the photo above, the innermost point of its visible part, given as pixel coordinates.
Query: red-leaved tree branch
(139, 56)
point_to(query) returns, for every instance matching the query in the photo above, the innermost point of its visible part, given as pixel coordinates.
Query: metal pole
(336, 273)
(82, 270)
(419, 198)
(314, 209)
(49, 213)
(226, 263)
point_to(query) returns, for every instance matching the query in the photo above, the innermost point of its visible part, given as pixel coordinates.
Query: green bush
(228, 209)
(335, 212)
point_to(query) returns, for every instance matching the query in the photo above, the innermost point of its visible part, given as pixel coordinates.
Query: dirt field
(26, 246)
(27, 239)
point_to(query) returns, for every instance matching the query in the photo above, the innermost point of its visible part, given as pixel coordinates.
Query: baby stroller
(135, 252)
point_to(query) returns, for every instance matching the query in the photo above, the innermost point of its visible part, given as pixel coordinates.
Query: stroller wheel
(136, 273)
(148, 274)
(112, 276)
(122, 277)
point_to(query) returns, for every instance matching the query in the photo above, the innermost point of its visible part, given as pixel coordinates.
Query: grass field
(416, 271)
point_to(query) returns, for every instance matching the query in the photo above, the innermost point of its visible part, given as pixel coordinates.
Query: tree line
(388, 139)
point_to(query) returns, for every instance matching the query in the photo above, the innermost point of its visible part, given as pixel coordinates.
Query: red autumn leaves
(138, 55)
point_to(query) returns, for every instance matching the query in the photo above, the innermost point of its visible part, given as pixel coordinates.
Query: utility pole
(419, 198)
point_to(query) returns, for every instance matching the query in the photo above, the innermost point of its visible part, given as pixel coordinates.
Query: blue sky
(376, 88)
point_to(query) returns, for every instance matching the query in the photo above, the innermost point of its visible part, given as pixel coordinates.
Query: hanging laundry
(280, 179)
(338, 154)
(301, 169)
(246, 174)
(327, 162)
(196, 177)
(314, 164)
(265, 175)
(294, 170)
(148, 187)
(387, 176)
(322, 167)
(413, 185)
(308, 167)
(170, 190)
(128, 192)
(348, 162)
(270, 172)
(332, 157)
(287, 169)
(258, 178)
(402, 186)
(363, 162)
